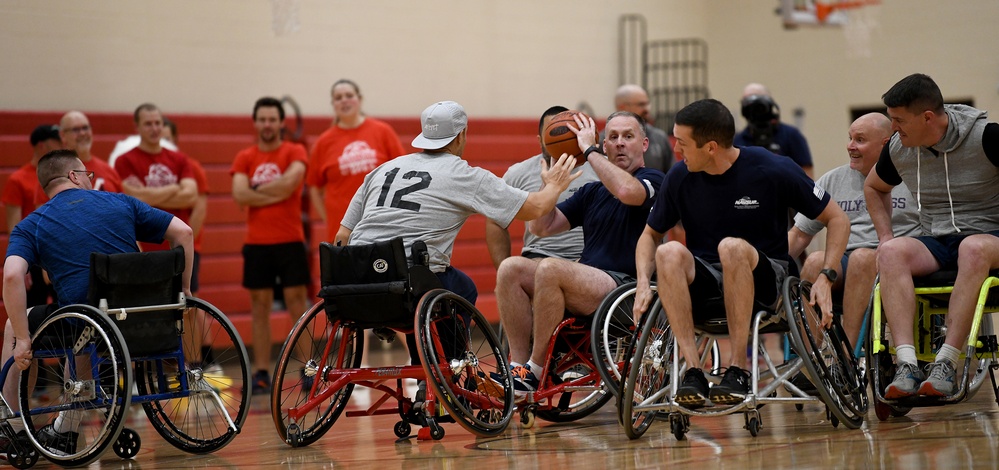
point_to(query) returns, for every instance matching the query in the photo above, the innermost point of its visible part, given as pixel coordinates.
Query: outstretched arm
(554, 181)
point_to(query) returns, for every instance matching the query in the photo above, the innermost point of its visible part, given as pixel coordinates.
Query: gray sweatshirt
(955, 185)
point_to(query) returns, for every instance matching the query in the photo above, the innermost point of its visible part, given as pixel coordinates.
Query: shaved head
(755, 89)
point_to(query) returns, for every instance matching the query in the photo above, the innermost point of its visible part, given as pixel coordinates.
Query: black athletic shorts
(768, 279)
(265, 266)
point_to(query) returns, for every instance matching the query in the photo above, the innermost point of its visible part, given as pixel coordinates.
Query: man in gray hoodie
(948, 155)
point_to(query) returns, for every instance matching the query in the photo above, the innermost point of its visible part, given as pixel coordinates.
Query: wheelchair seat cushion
(942, 278)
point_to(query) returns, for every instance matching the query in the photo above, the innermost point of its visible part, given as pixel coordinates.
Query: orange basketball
(559, 139)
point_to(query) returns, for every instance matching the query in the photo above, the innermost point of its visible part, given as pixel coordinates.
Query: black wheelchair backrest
(136, 279)
(373, 285)
(152, 278)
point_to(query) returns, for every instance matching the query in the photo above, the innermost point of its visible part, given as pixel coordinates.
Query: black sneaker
(62, 442)
(261, 383)
(733, 388)
(801, 381)
(693, 391)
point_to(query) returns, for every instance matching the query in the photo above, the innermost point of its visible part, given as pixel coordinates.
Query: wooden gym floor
(959, 436)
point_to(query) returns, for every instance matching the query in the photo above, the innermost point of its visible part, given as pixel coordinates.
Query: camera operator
(765, 130)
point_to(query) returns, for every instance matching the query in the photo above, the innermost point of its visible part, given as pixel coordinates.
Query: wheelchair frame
(980, 351)
(458, 388)
(648, 393)
(165, 382)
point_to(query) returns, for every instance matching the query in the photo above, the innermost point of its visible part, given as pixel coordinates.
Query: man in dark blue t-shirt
(59, 236)
(733, 203)
(533, 295)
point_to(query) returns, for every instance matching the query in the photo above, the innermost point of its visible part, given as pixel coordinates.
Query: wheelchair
(584, 360)
(826, 357)
(372, 287)
(932, 295)
(141, 341)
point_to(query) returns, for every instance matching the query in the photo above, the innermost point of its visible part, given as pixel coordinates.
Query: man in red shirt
(76, 134)
(156, 175)
(267, 178)
(23, 193)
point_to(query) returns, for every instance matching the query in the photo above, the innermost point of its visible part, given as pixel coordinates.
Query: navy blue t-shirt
(610, 227)
(61, 234)
(788, 141)
(749, 201)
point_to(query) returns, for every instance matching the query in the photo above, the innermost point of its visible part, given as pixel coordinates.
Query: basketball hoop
(284, 17)
(858, 18)
(858, 31)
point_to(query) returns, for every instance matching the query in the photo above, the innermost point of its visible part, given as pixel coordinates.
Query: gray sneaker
(939, 380)
(906, 383)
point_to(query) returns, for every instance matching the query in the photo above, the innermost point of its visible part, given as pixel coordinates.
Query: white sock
(906, 353)
(68, 421)
(950, 354)
(535, 369)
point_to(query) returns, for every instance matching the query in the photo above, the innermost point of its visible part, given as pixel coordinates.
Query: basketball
(559, 139)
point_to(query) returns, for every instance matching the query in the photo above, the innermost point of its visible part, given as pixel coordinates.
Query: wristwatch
(589, 150)
(830, 274)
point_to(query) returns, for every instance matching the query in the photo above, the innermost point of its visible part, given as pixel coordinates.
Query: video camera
(763, 116)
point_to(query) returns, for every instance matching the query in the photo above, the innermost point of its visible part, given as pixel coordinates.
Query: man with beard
(267, 178)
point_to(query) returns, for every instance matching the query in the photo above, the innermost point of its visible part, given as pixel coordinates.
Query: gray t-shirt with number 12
(428, 197)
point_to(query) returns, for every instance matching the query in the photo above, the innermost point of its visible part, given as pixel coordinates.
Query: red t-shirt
(154, 171)
(24, 190)
(280, 222)
(105, 177)
(342, 157)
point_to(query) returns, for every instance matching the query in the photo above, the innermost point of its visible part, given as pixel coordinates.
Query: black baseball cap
(44, 132)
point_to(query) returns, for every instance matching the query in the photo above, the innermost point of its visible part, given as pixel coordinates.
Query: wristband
(589, 150)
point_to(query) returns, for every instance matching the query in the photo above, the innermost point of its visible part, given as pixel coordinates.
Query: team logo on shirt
(160, 175)
(746, 202)
(265, 173)
(358, 159)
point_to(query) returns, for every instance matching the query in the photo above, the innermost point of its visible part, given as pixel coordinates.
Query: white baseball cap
(441, 123)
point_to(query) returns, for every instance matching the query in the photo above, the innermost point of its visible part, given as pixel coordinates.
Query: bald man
(868, 134)
(77, 135)
(764, 128)
(634, 99)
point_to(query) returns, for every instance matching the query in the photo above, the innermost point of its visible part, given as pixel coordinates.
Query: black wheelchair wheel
(84, 369)
(648, 373)
(462, 356)
(196, 419)
(586, 397)
(612, 331)
(316, 346)
(827, 355)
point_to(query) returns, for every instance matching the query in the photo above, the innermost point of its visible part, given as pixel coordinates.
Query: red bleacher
(214, 140)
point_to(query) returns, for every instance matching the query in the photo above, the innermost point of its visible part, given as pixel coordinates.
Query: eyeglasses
(78, 129)
(90, 174)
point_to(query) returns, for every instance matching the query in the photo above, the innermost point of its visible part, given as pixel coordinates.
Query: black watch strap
(589, 150)
(830, 274)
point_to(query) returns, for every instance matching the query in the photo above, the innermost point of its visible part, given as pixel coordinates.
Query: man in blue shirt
(60, 236)
(733, 202)
(535, 295)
